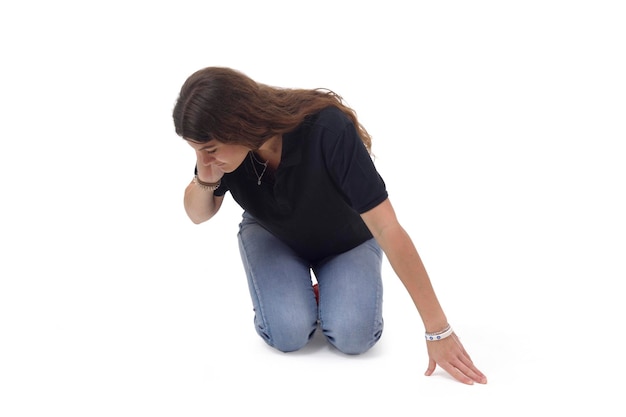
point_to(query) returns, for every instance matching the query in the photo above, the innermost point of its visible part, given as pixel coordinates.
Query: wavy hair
(226, 105)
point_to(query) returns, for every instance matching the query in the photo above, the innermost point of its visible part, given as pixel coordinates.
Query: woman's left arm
(448, 353)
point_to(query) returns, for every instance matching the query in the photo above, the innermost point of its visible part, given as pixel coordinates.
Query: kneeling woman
(298, 162)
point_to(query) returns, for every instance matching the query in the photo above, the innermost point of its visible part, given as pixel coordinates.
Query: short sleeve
(351, 166)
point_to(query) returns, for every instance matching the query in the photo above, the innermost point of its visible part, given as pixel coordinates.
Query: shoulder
(328, 120)
(332, 118)
(322, 130)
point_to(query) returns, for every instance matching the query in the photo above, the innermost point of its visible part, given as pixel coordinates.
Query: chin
(227, 170)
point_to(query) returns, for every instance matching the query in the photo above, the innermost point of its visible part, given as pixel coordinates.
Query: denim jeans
(286, 313)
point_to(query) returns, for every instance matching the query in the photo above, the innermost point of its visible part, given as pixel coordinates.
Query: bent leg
(351, 290)
(280, 287)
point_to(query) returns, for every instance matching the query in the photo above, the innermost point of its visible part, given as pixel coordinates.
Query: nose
(206, 159)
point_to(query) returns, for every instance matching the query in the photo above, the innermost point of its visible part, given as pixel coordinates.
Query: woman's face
(225, 157)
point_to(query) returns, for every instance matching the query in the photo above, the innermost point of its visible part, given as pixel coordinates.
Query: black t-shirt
(325, 180)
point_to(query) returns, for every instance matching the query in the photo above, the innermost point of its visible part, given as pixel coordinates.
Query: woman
(298, 162)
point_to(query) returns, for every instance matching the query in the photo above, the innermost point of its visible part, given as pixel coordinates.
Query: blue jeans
(286, 313)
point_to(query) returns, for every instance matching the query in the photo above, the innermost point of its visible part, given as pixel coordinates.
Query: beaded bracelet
(206, 186)
(433, 337)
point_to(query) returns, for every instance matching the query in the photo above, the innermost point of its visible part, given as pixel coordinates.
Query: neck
(271, 151)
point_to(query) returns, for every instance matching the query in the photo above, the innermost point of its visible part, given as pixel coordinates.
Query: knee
(353, 339)
(287, 345)
(287, 336)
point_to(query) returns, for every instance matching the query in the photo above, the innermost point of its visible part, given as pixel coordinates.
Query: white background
(498, 127)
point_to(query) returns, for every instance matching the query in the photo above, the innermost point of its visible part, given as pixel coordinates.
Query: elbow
(196, 219)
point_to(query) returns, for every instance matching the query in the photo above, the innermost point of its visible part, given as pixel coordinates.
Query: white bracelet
(433, 337)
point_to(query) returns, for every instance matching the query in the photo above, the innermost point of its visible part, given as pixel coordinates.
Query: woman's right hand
(201, 204)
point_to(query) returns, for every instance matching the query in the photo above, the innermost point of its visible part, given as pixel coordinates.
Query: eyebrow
(208, 145)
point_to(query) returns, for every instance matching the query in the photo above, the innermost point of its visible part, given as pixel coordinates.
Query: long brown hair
(228, 106)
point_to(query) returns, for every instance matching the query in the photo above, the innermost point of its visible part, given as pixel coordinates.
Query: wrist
(206, 186)
(438, 335)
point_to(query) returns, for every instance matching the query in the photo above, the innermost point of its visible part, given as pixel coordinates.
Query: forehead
(201, 146)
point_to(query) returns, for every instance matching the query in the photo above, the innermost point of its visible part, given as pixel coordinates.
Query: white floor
(161, 325)
(498, 129)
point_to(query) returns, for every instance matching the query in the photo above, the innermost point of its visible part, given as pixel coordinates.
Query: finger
(431, 367)
(457, 374)
(476, 375)
(467, 360)
(467, 368)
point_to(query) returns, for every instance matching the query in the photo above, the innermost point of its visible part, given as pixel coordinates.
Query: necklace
(253, 160)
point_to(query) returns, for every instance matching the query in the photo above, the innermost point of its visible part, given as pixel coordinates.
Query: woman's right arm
(200, 203)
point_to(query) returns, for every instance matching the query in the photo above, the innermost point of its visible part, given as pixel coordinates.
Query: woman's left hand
(450, 355)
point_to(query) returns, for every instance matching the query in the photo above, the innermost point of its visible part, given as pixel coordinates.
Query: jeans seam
(261, 312)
